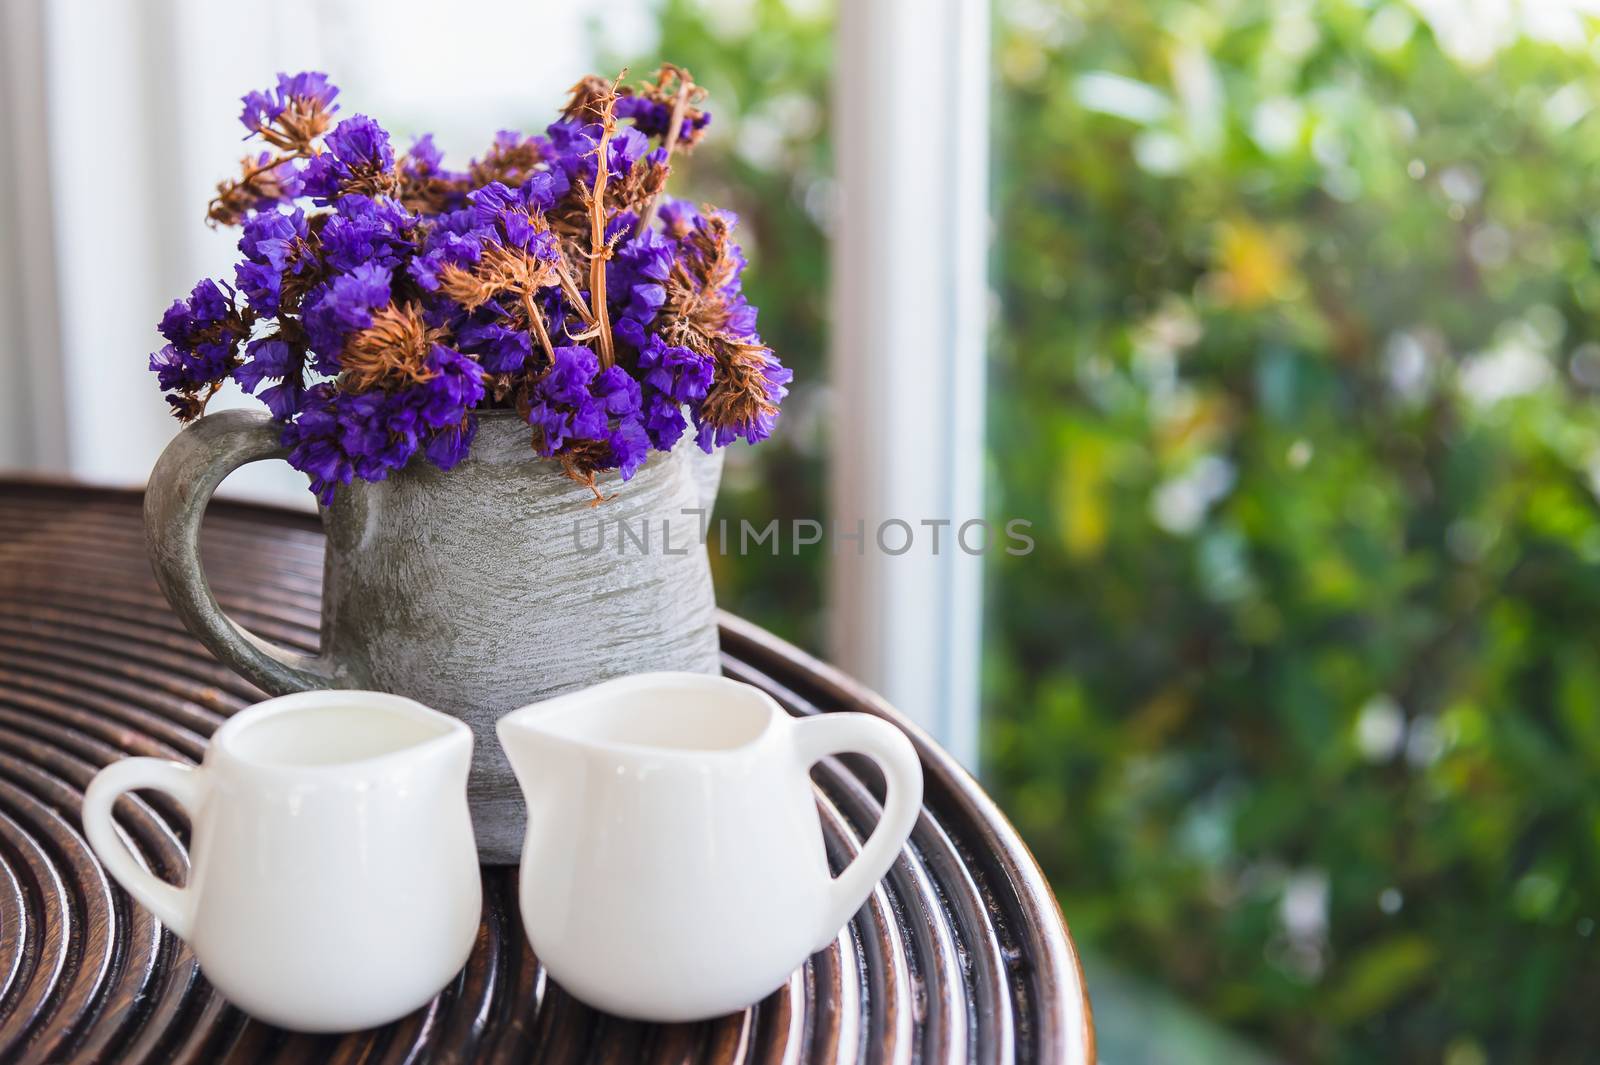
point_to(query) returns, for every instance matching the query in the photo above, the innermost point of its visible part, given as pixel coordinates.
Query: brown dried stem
(255, 183)
(536, 322)
(576, 468)
(600, 251)
(570, 288)
(674, 125)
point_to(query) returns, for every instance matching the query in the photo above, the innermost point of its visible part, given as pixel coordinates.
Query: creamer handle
(827, 734)
(172, 905)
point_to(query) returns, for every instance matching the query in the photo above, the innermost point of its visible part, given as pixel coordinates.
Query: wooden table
(961, 955)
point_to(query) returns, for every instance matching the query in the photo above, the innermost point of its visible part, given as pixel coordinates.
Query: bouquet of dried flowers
(551, 276)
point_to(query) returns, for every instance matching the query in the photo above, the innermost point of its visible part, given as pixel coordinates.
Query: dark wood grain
(960, 955)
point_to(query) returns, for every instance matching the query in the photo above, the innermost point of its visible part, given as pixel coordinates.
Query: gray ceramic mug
(474, 591)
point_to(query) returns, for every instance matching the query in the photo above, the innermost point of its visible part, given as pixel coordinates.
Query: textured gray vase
(474, 591)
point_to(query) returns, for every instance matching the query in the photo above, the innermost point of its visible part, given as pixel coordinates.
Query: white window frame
(910, 305)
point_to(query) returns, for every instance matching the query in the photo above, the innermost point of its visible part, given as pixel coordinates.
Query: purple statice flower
(673, 377)
(312, 440)
(323, 178)
(619, 395)
(562, 407)
(627, 147)
(454, 389)
(651, 117)
(285, 398)
(680, 373)
(507, 214)
(308, 89)
(573, 149)
(191, 320)
(577, 401)
(424, 162)
(358, 146)
(268, 243)
(511, 141)
(424, 157)
(571, 372)
(366, 230)
(514, 158)
(447, 447)
(274, 358)
(268, 237)
(340, 435)
(342, 305)
(379, 431)
(678, 216)
(174, 370)
(202, 334)
(636, 276)
(361, 144)
(452, 239)
(389, 233)
(279, 184)
(630, 446)
(663, 421)
(260, 108)
(492, 202)
(617, 392)
(497, 347)
(263, 359)
(187, 368)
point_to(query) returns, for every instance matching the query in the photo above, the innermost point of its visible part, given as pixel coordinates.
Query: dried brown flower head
(500, 270)
(370, 179)
(590, 99)
(676, 90)
(739, 393)
(510, 160)
(391, 352)
(696, 315)
(258, 184)
(296, 128)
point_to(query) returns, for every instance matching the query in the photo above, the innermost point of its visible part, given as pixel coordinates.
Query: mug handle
(171, 904)
(853, 733)
(181, 484)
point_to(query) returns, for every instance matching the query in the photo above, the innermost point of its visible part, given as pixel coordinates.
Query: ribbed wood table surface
(961, 955)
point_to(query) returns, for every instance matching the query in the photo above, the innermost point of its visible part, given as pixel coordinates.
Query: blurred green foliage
(1293, 369)
(1297, 702)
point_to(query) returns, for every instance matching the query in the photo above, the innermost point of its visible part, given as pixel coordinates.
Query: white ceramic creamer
(333, 881)
(674, 867)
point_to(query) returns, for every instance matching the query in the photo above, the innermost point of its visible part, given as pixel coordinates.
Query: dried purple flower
(550, 277)
(340, 307)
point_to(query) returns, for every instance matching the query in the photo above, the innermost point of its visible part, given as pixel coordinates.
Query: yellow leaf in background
(1255, 263)
(1082, 513)
(1201, 421)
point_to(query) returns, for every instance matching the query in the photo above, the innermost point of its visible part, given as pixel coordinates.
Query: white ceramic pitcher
(333, 880)
(674, 866)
